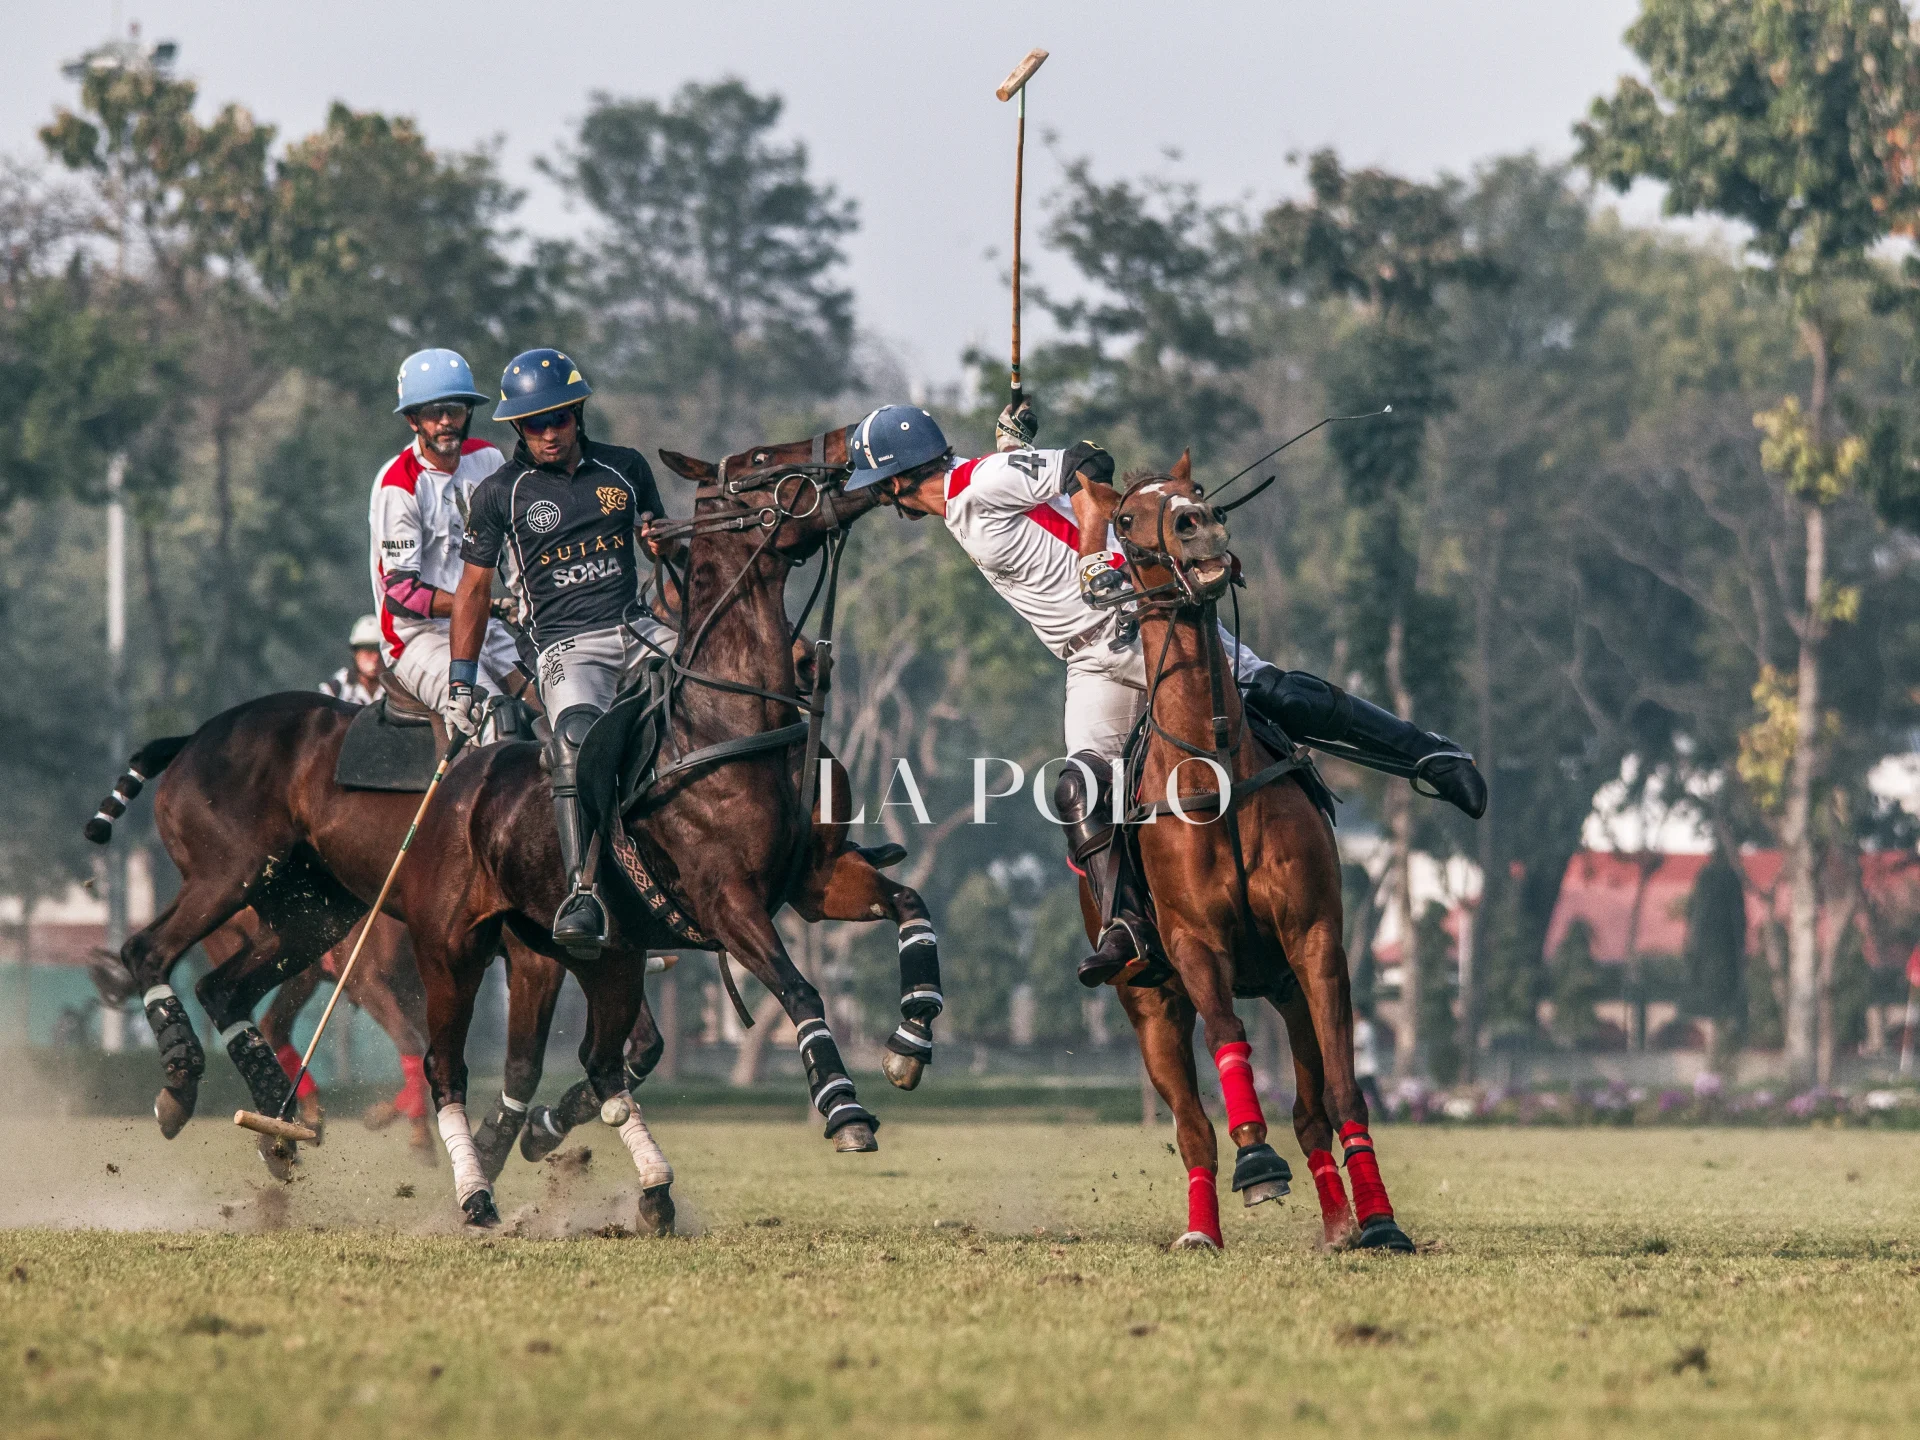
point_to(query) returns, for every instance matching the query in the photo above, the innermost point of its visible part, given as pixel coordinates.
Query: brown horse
(1247, 901)
(249, 812)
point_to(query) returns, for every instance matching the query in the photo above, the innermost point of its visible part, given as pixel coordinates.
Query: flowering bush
(1709, 1102)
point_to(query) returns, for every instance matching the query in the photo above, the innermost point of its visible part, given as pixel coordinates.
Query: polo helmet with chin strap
(891, 441)
(430, 375)
(536, 381)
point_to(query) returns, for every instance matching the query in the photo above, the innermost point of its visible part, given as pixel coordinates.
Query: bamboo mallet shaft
(280, 1126)
(1016, 84)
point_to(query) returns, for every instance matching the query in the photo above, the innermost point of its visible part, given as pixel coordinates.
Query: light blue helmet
(429, 375)
(893, 439)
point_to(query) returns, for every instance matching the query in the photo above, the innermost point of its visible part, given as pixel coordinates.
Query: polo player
(1019, 513)
(565, 515)
(417, 515)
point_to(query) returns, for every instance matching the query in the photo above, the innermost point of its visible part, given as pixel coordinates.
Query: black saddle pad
(386, 752)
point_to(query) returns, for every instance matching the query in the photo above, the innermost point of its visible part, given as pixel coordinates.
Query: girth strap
(1259, 780)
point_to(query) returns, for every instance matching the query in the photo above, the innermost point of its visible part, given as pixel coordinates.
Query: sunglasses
(433, 414)
(551, 420)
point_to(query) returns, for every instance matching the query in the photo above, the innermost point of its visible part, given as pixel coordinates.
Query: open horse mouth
(1210, 576)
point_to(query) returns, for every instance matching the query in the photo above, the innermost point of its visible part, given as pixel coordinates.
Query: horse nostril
(1185, 524)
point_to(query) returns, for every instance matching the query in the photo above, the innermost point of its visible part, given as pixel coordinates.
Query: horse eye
(1199, 493)
(1122, 522)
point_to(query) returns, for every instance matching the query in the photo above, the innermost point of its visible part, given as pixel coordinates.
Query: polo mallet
(1016, 84)
(279, 1126)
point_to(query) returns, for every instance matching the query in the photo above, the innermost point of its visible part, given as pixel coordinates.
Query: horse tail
(148, 761)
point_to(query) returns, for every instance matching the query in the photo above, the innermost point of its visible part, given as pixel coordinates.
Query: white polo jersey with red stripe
(418, 518)
(1009, 515)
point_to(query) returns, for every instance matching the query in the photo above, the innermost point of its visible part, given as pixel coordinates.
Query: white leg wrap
(518, 1107)
(158, 992)
(647, 1156)
(468, 1178)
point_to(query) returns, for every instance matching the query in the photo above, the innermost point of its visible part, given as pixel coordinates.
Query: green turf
(968, 1279)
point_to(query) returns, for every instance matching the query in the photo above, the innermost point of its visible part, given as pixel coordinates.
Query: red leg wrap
(289, 1059)
(411, 1099)
(1203, 1203)
(1369, 1190)
(1333, 1191)
(1235, 1063)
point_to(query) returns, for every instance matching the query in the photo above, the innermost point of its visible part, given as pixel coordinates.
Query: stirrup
(586, 942)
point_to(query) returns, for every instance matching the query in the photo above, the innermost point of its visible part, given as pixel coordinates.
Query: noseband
(1182, 590)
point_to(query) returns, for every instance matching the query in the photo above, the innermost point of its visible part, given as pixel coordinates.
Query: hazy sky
(895, 101)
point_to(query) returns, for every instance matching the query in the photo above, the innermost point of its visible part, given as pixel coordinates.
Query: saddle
(393, 744)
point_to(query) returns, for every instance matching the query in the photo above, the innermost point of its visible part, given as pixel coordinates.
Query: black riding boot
(580, 924)
(1327, 717)
(1127, 948)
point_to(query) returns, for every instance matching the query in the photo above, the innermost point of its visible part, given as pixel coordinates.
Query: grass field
(968, 1279)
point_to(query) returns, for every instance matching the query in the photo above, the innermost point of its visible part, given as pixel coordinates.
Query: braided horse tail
(148, 761)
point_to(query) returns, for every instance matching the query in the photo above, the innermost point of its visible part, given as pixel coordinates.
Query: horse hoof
(1264, 1191)
(656, 1211)
(538, 1140)
(902, 1071)
(280, 1157)
(173, 1108)
(1380, 1233)
(1196, 1240)
(380, 1114)
(480, 1212)
(855, 1138)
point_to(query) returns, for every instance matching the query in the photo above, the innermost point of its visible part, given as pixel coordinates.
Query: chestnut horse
(1247, 903)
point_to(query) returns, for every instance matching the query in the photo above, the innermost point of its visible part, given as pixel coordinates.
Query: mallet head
(1022, 73)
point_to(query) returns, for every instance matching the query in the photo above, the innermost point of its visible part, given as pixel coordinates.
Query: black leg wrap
(494, 1139)
(266, 1081)
(180, 1050)
(480, 1210)
(920, 997)
(827, 1079)
(914, 1039)
(1260, 1164)
(547, 1127)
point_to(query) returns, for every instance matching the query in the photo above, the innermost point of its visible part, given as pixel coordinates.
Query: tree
(713, 266)
(378, 245)
(1715, 953)
(1386, 248)
(1146, 359)
(1780, 114)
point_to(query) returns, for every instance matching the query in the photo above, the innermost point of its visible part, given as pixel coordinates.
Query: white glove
(1016, 427)
(462, 712)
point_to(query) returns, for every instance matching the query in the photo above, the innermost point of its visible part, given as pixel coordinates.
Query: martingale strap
(652, 894)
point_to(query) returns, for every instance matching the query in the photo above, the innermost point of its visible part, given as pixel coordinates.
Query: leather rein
(820, 480)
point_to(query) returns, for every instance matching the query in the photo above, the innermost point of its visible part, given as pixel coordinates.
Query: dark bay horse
(249, 812)
(1247, 903)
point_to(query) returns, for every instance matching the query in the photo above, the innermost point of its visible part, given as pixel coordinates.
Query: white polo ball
(617, 1111)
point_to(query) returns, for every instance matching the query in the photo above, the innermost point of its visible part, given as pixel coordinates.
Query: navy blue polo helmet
(536, 381)
(893, 439)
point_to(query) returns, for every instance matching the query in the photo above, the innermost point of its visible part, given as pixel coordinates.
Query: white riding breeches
(422, 666)
(1107, 690)
(589, 669)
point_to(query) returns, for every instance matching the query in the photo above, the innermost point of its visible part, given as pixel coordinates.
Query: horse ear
(687, 467)
(1183, 467)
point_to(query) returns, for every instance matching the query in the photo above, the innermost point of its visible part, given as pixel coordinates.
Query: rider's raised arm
(1017, 480)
